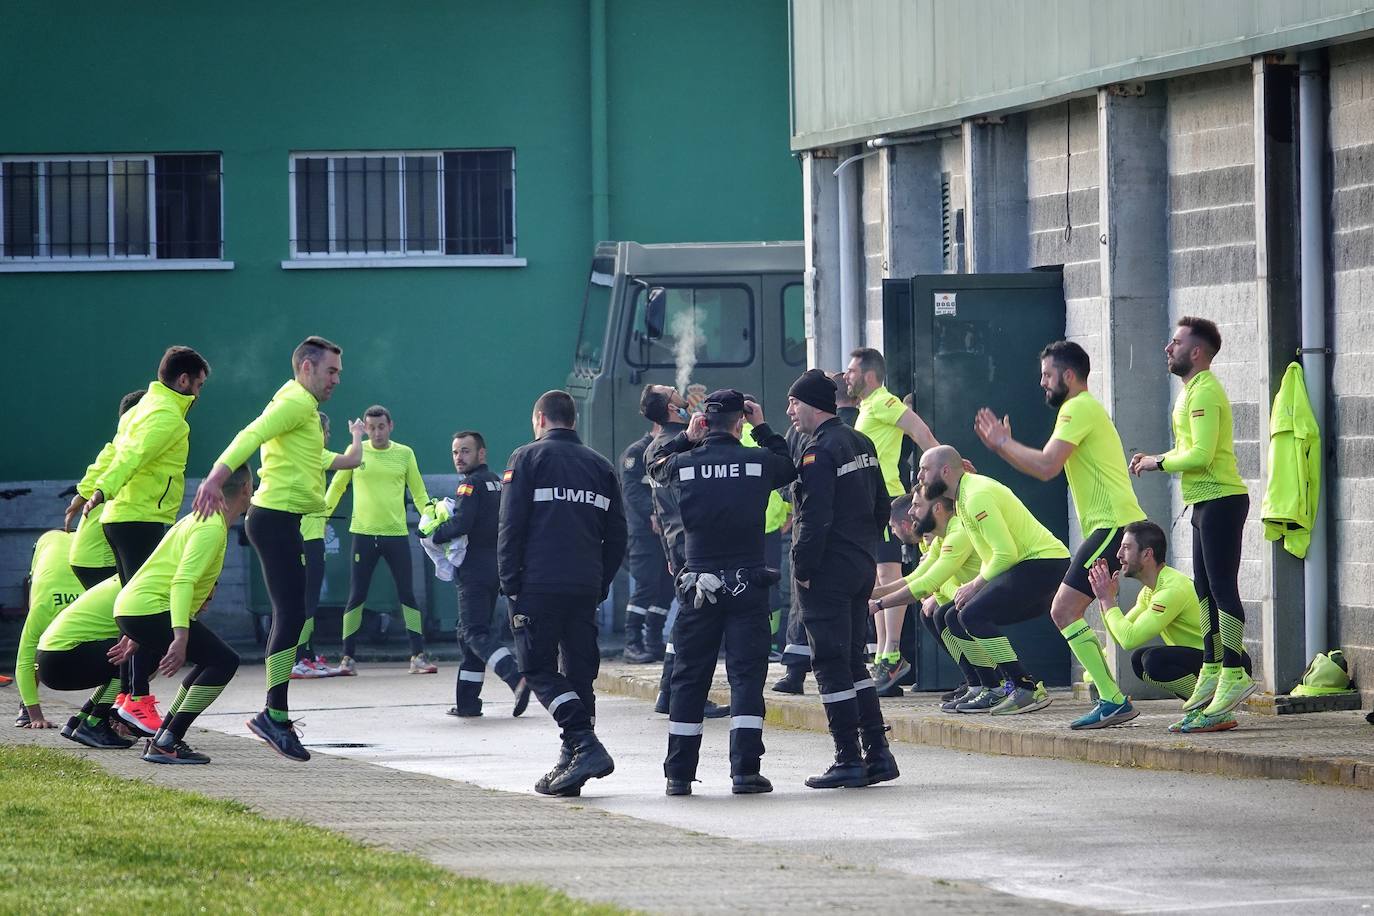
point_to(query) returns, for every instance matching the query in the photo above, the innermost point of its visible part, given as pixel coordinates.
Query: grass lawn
(78, 840)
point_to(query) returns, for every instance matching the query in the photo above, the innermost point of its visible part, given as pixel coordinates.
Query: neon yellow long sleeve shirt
(1002, 529)
(952, 563)
(1170, 611)
(1204, 446)
(180, 574)
(289, 435)
(146, 476)
(89, 547)
(87, 619)
(52, 587)
(379, 488)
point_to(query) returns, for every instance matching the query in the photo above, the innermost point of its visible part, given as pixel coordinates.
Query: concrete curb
(970, 734)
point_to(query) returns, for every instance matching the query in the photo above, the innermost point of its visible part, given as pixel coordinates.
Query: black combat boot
(847, 772)
(565, 756)
(879, 764)
(589, 761)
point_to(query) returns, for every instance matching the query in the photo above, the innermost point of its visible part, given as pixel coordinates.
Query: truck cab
(696, 316)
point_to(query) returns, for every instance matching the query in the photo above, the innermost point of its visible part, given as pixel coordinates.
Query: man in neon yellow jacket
(1295, 466)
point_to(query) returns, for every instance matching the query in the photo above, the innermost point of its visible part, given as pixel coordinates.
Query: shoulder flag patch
(465, 490)
(1158, 607)
(1200, 412)
(808, 460)
(506, 477)
(980, 516)
(1065, 418)
(629, 461)
(891, 402)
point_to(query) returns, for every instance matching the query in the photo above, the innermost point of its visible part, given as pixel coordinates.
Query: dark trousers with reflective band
(1218, 530)
(836, 620)
(943, 622)
(741, 623)
(314, 581)
(395, 550)
(1175, 668)
(982, 675)
(476, 639)
(276, 536)
(82, 667)
(554, 631)
(1021, 593)
(796, 652)
(133, 543)
(212, 662)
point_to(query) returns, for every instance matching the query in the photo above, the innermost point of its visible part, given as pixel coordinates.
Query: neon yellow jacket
(146, 476)
(53, 587)
(289, 435)
(180, 574)
(1295, 466)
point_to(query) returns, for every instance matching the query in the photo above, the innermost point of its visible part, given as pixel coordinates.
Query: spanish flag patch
(1158, 607)
(808, 460)
(465, 490)
(980, 516)
(1200, 413)
(891, 402)
(506, 477)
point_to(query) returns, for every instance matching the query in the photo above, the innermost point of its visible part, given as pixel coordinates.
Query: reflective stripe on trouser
(556, 650)
(837, 629)
(740, 622)
(477, 641)
(796, 653)
(395, 550)
(938, 625)
(665, 680)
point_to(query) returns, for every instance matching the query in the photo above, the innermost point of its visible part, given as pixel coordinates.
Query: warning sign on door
(945, 304)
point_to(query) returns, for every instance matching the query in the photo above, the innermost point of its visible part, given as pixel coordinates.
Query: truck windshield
(596, 309)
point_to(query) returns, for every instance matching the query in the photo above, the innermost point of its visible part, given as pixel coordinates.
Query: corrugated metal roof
(863, 68)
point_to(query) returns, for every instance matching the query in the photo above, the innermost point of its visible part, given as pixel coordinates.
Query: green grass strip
(79, 840)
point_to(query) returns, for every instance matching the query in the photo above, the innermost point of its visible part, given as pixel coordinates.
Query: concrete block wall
(1212, 273)
(1350, 431)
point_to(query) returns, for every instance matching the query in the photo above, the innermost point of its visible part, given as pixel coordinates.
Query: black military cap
(726, 400)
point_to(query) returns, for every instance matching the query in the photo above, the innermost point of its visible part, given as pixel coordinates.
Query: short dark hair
(1204, 330)
(240, 478)
(312, 348)
(870, 360)
(901, 506)
(653, 404)
(472, 434)
(377, 410)
(1068, 355)
(127, 402)
(1151, 537)
(178, 360)
(558, 408)
(721, 421)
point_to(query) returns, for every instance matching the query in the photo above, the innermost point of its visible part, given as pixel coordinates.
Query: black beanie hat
(814, 388)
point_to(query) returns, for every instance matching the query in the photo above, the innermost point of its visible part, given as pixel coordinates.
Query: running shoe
(956, 692)
(177, 752)
(322, 666)
(1206, 723)
(893, 689)
(1188, 718)
(347, 667)
(1105, 715)
(982, 701)
(964, 693)
(1023, 699)
(99, 736)
(282, 737)
(119, 700)
(303, 670)
(1206, 687)
(5, 680)
(889, 673)
(420, 664)
(141, 715)
(22, 720)
(1232, 689)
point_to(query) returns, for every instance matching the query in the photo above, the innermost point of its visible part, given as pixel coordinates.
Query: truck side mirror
(655, 312)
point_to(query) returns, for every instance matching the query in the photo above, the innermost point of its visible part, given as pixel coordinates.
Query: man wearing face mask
(665, 405)
(562, 538)
(1086, 447)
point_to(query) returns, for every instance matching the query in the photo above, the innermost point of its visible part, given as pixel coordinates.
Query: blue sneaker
(1105, 715)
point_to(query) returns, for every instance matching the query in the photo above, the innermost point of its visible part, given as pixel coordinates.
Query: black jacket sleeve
(613, 543)
(815, 511)
(461, 521)
(515, 516)
(633, 487)
(778, 458)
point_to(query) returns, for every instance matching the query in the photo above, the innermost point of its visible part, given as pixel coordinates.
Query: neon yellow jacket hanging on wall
(1295, 449)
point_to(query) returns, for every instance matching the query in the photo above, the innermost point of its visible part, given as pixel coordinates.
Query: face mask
(682, 414)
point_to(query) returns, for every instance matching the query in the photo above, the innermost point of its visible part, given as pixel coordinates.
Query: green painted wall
(698, 138)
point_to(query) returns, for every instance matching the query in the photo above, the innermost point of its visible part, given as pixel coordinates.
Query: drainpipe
(1311, 213)
(601, 197)
(904, 140)
(851, 243)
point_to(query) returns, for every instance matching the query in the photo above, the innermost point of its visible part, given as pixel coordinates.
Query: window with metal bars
(403, 204)
(111, 207)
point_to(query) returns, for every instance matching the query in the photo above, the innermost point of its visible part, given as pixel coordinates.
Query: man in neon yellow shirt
(1021, 565)
(288, 433)
(885, 420)
(379, 530)
(1167, 607)
(1204, 453)
(1086, 447)
(77, 652)
(91, 557)
(52, 586)
(156, 613)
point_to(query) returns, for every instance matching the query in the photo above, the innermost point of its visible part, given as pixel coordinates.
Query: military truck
(699, 316)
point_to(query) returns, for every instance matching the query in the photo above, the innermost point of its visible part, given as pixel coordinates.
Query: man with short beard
(1086, 447)
(1204, 454)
